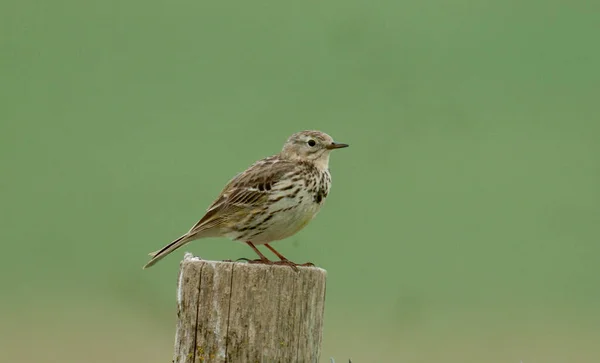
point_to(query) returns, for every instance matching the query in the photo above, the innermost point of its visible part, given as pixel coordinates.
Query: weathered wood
(238, 312)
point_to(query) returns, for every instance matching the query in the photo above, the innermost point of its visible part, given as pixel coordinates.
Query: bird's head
(313, 146)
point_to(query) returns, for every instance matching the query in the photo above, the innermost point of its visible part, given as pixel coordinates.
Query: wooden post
(239, 312)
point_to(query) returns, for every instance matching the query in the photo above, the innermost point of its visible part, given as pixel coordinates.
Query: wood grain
(239, 312)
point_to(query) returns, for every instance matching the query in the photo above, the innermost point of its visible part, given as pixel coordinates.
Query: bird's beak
(336, 145)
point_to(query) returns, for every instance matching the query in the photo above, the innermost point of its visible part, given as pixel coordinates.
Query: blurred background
(464, 220)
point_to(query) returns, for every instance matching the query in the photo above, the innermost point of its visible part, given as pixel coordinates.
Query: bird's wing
(246, 192)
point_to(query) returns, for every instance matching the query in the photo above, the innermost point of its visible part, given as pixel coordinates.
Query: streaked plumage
(272, 200)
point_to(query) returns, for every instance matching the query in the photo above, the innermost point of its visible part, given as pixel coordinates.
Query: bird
(271, 200)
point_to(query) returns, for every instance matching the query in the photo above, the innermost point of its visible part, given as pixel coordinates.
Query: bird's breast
(291, 207)
(321, 186)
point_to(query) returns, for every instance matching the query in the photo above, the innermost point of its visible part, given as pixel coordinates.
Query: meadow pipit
(272, 200)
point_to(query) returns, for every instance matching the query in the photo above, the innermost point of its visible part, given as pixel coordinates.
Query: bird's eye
(311, 143)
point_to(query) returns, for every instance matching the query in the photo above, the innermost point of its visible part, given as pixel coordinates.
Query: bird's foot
(287, 262)
(258, 260)
(283, 262)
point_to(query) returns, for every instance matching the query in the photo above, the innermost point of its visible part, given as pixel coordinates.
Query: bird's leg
(263, 258)
(284, 261)
(281, 257)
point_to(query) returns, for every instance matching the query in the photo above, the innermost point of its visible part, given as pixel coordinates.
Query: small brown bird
(272, 200)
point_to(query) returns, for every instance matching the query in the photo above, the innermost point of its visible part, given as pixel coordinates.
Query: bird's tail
(158, 255)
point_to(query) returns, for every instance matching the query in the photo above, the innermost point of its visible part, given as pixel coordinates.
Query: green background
(463, 223)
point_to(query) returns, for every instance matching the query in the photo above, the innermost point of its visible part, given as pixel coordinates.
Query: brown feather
(246, 191)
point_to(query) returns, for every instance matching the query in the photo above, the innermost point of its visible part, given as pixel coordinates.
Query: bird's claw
(258, 260)
(286, 262)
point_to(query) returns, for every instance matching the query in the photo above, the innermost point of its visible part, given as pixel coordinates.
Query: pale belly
(289, 217)
(288, 223)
